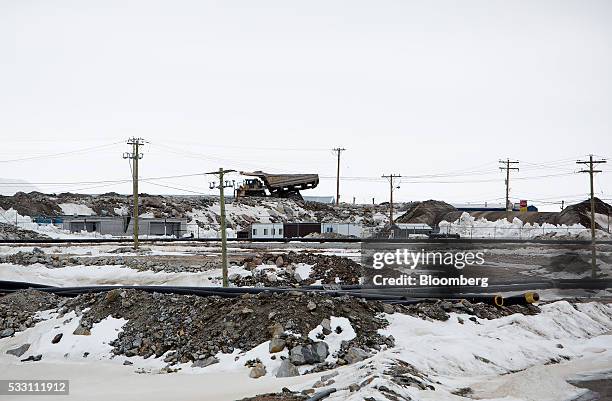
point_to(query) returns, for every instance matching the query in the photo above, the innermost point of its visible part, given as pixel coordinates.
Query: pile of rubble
(11, 232)
(440, 309)
(193, 329)
(325, 269)
(141, 262)
(17, 310)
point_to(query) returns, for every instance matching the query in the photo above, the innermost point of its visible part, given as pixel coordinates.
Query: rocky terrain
(326, 269)
(266, 269)
(143, 261)
(10, 232)
(195, 330)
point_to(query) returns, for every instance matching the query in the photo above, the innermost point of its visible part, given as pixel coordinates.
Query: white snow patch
(76, 209)
(81, 275)
(334, 339)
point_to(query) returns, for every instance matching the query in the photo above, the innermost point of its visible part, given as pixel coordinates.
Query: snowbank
(516, 358)
(111, 275)
(468, 226)
(76, 209)
(25, 222)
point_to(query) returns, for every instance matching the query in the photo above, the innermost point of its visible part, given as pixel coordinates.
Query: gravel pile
(194, 329)
(17, 310)
(197, 328)
(327, 269)
(10, 232)
(439, 310)
(141, 262)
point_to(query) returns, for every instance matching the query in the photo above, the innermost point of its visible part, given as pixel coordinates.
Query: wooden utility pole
(390, 177)
(591, 171)
(134, 156)
(223, 184)
(338, 150)
(507, 167)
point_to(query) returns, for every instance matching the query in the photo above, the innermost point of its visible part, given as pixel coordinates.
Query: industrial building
(124, 226)
(298, 230)
(404, 230)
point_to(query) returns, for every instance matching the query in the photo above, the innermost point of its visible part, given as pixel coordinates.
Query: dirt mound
(430, 212)
(31, 204)
(580, 213)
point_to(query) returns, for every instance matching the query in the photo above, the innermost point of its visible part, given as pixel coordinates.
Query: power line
(53, 155)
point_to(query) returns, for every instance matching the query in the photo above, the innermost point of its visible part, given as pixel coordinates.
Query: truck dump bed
(284, 185)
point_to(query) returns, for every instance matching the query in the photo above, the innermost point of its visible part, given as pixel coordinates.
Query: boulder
(19, 350)
(257, 371)
(287, 369)
(202, 363)
(355, 354)
(277, 345)
(279, 261)
(7, 332)
(326, 324)
(81, 331)
(309, 354)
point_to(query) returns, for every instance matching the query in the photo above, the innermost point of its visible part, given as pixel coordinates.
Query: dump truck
(276, 185)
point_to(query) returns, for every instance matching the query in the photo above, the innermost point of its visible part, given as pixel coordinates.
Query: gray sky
(409, 87)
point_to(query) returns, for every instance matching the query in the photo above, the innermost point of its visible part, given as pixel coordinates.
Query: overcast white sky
(409, 87)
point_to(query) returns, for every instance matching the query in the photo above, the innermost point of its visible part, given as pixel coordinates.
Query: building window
(274, 231)
(254, 231)
(280, 231)
(329, 229)
(265, 231)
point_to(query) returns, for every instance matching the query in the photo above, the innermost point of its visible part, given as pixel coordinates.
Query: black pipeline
(232, 292)
(523, 299)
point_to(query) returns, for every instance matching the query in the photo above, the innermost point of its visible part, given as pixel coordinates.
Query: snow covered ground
(512, 358)
(108, 275)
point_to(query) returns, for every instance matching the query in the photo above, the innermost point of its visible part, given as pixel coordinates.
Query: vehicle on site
(276, 185)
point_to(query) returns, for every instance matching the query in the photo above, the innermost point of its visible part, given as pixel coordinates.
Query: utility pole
(591, 171)
(223, 184)
(134, 156)
(562, 204)
(390, 177)
(338, 150)
(507, 163)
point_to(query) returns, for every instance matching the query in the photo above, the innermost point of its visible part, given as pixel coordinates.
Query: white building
(267, 230)
(348, 229)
